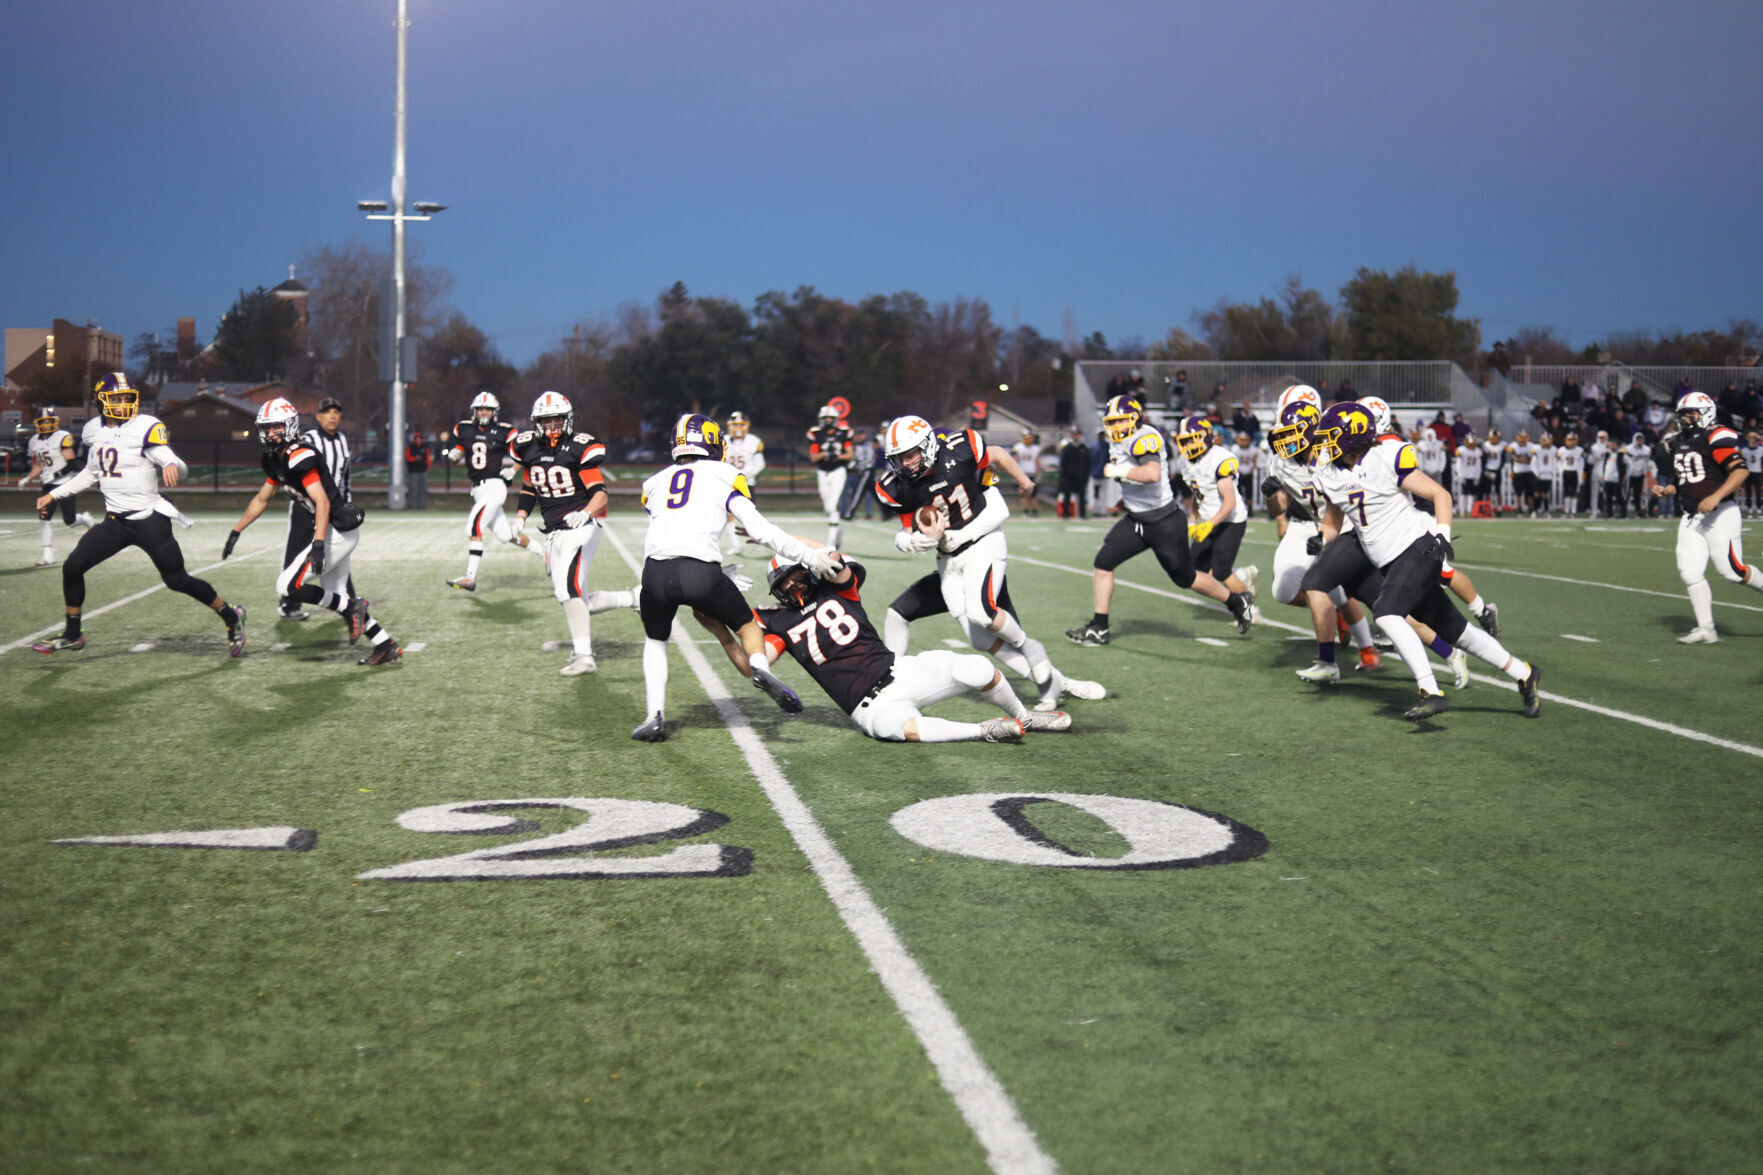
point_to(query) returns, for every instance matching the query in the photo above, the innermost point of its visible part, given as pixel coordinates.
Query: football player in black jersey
(561, 477)
(830, 447)
(952, 474)
(319, 575)
(823, 625)
(482, 443)
(1708, 471)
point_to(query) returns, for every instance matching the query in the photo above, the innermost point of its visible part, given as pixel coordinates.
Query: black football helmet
(791, 584)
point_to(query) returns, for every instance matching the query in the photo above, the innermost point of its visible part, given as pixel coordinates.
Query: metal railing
(1542, 381)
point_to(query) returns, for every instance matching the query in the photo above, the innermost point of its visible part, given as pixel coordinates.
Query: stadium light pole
(378, 210)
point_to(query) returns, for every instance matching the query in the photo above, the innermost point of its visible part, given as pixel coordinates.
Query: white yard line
(1009, 1144)
(1501, 682)
(140, 595)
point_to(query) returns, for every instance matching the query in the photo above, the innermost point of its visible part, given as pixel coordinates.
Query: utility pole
(400, 366)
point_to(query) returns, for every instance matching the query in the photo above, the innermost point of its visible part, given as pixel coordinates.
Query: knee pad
(974, 672)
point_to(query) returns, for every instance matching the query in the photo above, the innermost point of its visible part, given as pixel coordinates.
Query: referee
(333, 447)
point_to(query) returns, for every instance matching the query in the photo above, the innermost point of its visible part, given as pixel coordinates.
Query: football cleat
(1050, 720)
(1089, 634)
(1077, 687)
(235, 632)
(296, 614)
(1001, 730)
(356, 615)
(1459, 664)
(1490, 620)
(1321, 673)
(83, 520)
(777, 691)
(1249, 575)
(579, 664)
(60, 644)
(1701, 634)
(652, 731)
(1527, 689)
(1370, 661)
(46, 561)
(464, 583)
(383, 653)
(1430, 706)
(1239, 609)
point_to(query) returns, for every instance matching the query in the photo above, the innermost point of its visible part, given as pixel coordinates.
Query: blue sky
(1596, 166)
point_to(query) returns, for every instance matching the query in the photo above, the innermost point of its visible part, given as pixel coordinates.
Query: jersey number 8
(839, 624)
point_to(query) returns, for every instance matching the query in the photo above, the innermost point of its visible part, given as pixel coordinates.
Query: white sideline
(87, 615)
(1503, 682)
(1010, 1145)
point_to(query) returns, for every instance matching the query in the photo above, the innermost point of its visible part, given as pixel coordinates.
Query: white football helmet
(908, 435)
(1697, 410)
(828, 414)
(278, 424)
(484, 402)
(1380, 412)
(551, 407)
(1299, 393)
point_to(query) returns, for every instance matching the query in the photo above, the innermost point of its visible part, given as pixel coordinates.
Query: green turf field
(1481, 944)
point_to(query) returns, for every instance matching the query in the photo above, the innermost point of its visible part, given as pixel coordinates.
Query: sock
(334, 601)
(599, 602)
(1361, 630)
(1485, 647)
(373, 632)
(1035, 653)
(48, 536)
(1012, 659)
(72, 631)
(1003, 697)
(1442, 647)
(475, 557)
(575, 611)
(230, 615)
(1702, 603)
(654, 676)
(1754, 578)
(1478, 606)
(833, 531)
(941, 730)
(1325, 651)
(895, 634)
(1412, 652)
(1099, 620)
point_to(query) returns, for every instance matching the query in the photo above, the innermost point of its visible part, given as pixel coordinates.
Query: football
(926, 517)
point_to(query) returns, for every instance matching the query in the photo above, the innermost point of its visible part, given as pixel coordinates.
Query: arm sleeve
(84, 480)
(162, 455)
(765, 533)
(990, 518)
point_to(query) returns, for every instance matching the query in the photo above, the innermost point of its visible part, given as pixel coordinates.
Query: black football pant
(153, 535)
(65, 505)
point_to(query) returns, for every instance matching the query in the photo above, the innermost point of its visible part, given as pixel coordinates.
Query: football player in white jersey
(688, 503)
(743, 449)
(1027, 452)
(1297, 504)
(129, 454)
(1571, 459)
(1521, 456)
(1752, 451)
(1373, 480)
(1469, 473)
(1139, 460)
(1546, 469)
(52, 462)
(1220, 508)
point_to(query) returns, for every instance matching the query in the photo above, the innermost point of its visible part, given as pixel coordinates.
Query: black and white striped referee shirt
(335, 451)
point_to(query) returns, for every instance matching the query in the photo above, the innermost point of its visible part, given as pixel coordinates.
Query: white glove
(820, 560)
(914, 542)
(576, 519)
(735, 576)
(1116, 470)
(519, 523)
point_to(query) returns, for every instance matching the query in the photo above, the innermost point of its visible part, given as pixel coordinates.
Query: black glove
(232, 540)
(1447, 550)
(1313, 545)
(316, 557)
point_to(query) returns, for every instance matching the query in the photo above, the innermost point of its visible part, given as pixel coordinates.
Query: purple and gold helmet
(1344, 433)
(1291, 437)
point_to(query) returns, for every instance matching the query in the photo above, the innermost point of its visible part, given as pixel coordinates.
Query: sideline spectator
(1570, 398)
(1074, 474)
(1499, 360)
(1099, 485)
(1459, 429)
(1176, 399)
(416, 472)
(1246, 421)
